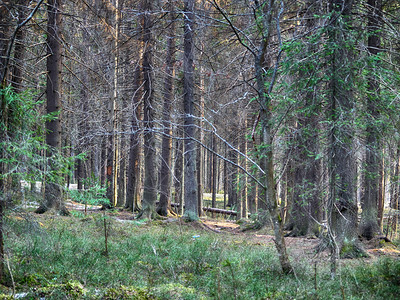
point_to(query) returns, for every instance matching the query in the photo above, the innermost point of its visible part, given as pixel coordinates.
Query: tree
(342, 204)
(369, 226)
(53, 188)
(190, 186)
(150, 179)
(166, 148)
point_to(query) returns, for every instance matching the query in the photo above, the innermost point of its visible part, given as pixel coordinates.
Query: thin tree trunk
(214, 174)
(178, 175)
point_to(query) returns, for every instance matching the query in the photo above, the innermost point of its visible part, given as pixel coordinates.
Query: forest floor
(98, 254)
(303, 248)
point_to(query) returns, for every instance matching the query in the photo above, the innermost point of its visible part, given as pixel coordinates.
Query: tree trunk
(53, 188)
(165, 184)
(214, 174)
(150, 179)
(134, 149)
(369, 226)
(266, 152)
(191, 205)
(342, 205)
(178, 175)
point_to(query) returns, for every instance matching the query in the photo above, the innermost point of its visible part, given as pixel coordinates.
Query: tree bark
(191, 205)
(266, 152)
(342, 204)
(134, 149)
(53, 187)
(369, 226)
(165, 184)
(150, 179)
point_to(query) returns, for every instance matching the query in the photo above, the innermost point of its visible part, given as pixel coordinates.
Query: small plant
(93, 194)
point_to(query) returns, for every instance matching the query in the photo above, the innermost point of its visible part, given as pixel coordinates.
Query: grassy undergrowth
(63, 258)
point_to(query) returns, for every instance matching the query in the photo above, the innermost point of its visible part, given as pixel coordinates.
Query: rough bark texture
(369, 200)
(191, 205)
(150, 179)
(306, 210)
(53, 189)
(342, 204)
(165, 176)
(134, 149)
(266, 154)
(4, 27)
(178, 175)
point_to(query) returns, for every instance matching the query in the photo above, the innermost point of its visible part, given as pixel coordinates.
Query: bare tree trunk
(165, 184)
(191, 205)
(150, 179)
(214, 174)
(134, 148)
(53, 189)
(178, 175)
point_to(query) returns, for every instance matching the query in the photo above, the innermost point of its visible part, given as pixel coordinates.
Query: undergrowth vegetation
(63, 258)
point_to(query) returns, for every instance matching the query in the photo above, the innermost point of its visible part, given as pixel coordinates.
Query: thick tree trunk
(53, 189)
(191, 205)
(342, 204)
(165, 176)
(150, 179)
(134, 149)
(369, 226)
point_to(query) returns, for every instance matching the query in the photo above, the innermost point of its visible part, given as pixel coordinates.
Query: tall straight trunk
(4, 39)
(342, 204)
(214, 174)
(150, 179)
(394, 196)
(200, 150)
(134, 148)
(53, 189)
(306, 208)
(232, 177)
(165, 184)
(243, 185)
(191, 205)
(178, 175)
(369, 226)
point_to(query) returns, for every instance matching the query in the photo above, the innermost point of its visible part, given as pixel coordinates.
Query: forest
(199, 149)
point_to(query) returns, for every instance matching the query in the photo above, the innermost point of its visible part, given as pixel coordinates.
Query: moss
(176, 291)
(6, 297)
(350, 249)
(127, 292)
(72, 289)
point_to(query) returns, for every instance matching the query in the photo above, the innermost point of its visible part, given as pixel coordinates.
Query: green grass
(63, 258)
